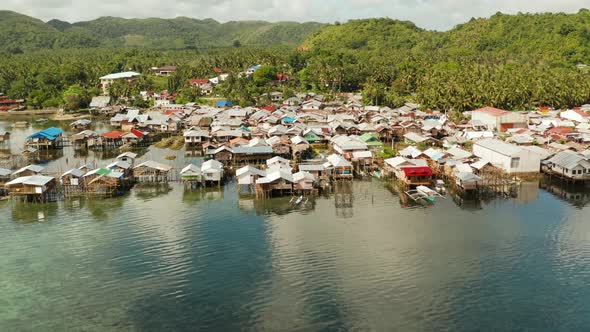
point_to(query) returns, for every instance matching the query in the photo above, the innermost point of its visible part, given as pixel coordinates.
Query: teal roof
(49, 133)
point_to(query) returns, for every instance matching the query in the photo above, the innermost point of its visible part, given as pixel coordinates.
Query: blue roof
(224, 103)
(288, 119)
(49, 133)
(254, 68)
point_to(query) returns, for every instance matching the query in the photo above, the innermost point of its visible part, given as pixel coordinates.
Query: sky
(429, 14)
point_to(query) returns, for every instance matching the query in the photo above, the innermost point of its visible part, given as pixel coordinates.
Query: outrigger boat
(298, 201)
(423, 194)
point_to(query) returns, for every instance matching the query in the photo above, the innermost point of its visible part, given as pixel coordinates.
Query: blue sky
(430, 14)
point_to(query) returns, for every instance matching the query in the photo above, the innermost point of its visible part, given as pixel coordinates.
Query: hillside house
(107, 80)
(164, 70)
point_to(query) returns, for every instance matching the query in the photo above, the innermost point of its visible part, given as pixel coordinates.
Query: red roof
(417, 171)
(560, 130)
(168, 112)
(282, 77)
(198, 81)
(217, 70)
(492, 111)
(137, 133)
(269, 108)
(113, 134)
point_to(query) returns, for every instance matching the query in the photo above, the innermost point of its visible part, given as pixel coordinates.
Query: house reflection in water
(576, 195)
(343, 199)
(527, 192)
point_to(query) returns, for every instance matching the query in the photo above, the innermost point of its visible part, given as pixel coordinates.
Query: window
(515, 162)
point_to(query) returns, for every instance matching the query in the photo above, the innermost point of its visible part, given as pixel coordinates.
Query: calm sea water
(166, 259)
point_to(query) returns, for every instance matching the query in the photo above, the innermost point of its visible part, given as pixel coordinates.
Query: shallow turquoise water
(166, 259)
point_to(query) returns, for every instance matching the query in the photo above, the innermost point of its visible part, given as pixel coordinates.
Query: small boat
(440, 186)
(298, 201)
(423, 194)
(20, 124)
(426, 191)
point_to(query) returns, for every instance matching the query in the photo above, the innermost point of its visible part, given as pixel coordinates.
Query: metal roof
(154, 165)
(32, 168)
(500, 147)
(252, 150)
(116, 76)
(34, 180)
(569, 160)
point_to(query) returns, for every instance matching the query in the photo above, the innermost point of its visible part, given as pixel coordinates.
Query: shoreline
(49, 113)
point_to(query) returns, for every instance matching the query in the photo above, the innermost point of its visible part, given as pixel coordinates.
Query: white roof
(338, 161)
(120, 164)
(34, 180)
(480, 164)
(395, 161)
(155, 165)
(275, 175)
(500, 147)
(301, 175)
(459, 153)
(33, 168)
(4, 172)
(362, 154)
(211, 165)
(415, 137)
(298, 140)
(75, 172)
(569, 160)
(277, 159)
(127, 155)
(191, 169)
(410, 151)
(247, 170)
(115, 76)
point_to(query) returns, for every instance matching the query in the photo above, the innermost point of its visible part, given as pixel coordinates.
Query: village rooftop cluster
(304, 143)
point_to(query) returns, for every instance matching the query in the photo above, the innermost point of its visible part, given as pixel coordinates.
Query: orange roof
(492, 111)
(113, 134)
(560, 130)
(199, 81)
(582, 113)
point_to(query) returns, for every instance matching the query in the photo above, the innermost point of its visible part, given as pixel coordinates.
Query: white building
(508, 157)
(499, 120)
(107, 80)
(570, 164)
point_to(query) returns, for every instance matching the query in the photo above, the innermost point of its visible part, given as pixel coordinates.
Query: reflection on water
(166, 258)
(362, 257)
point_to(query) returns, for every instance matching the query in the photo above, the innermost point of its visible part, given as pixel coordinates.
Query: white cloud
(432, 14)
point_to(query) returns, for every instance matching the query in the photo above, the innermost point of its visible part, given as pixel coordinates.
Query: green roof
(103, 171)
(371, 139)
(311, 137)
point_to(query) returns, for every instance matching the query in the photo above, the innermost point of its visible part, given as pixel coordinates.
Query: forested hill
(21, 33)
(512, 61)
(549, 35)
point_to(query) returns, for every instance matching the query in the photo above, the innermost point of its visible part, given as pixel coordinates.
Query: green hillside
(22, 33)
